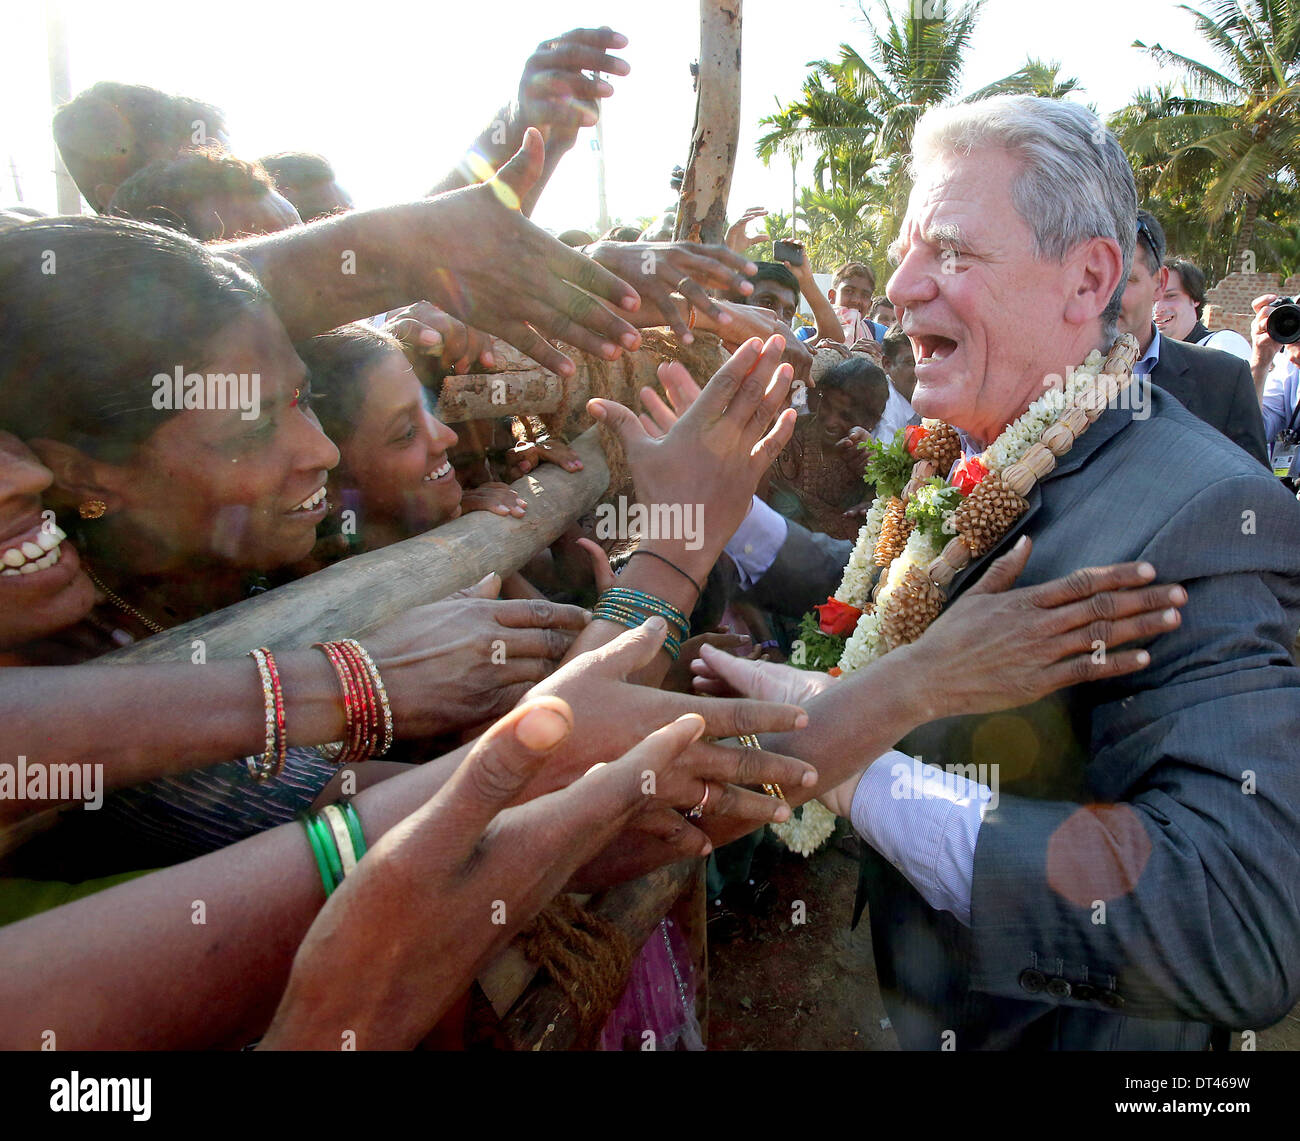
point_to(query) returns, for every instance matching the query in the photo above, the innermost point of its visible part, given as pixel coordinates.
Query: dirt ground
(812, 986)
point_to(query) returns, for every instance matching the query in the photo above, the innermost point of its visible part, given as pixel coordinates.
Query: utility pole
(67, 197)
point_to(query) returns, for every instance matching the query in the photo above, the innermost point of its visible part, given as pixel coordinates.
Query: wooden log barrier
(544, 1018)
(518, 387)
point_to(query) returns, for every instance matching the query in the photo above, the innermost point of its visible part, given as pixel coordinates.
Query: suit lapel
(1111, 422)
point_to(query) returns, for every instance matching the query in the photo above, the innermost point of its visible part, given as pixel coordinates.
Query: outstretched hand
(499, 272)
(714, 455)
(561, 88)
(659, 268)
(1033, 640)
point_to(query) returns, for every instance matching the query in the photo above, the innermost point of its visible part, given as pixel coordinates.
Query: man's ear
(830, 296)
(77, 477)
(1098, 271)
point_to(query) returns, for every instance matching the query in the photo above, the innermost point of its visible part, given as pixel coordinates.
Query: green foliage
(1222, 145)
(890, 466)
(927, 506)
(821, 651)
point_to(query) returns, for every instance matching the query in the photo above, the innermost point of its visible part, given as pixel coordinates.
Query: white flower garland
(855, 587)
(806, 832)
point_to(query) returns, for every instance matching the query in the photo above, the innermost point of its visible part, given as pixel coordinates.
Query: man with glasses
(1213, 385)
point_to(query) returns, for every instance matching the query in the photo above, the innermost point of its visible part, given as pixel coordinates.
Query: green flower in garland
(928, 505)
(890, 466)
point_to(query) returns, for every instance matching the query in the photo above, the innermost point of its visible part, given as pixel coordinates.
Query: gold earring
(92, 509)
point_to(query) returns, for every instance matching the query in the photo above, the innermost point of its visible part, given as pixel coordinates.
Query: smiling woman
(177, 505)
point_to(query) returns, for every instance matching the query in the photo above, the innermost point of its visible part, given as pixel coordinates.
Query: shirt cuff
(925, 821)
(756, 543)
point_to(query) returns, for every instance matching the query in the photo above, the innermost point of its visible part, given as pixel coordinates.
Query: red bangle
(373, 736)
(353, 734)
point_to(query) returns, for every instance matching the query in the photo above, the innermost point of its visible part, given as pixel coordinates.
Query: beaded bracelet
(271, 762)
(367, 713)
(384, 707)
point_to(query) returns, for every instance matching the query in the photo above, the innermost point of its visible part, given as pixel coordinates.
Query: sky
(393, 95)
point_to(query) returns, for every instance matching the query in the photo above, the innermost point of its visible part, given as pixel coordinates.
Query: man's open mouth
(930, 348)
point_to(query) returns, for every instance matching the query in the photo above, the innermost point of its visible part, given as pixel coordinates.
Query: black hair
(621, 234)
(297, 169)
(336, 363)
(1150, 240)
(114, 122)
(167, 191)
(775, 271)
(1193, 279)
(895, 343)
(859, 376)
(95, 308)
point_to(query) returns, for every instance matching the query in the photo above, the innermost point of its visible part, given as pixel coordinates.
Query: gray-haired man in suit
(1133, 882)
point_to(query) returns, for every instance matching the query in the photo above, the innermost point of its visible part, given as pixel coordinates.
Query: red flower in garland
(837, 618)
(968, 474)
(913, 434)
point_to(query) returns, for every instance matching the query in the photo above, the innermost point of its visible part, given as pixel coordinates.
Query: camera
(1284, 321)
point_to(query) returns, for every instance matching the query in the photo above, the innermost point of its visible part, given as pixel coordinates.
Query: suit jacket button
(1032, 981)
(1085, 992)
(1111, 999)
(1058, 988)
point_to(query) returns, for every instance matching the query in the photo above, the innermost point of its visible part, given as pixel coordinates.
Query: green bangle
(321, 865)
(672, 647)
(354, 829)
(326, 839)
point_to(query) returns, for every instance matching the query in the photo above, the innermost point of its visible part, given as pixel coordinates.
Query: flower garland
(919, 537)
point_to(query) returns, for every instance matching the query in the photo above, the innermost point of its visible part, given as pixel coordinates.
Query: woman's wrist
(312, 696)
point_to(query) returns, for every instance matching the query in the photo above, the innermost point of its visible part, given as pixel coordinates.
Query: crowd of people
(323, 846)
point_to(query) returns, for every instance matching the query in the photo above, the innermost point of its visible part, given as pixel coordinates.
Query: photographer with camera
(1275, 367)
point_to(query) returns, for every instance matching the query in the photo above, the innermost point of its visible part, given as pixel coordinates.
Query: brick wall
(1227, 305)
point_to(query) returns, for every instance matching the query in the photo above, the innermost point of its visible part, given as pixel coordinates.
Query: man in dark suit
(1134, 885)
(1214, 385)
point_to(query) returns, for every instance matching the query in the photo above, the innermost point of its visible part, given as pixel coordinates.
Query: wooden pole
(706, 187)
(519, 387)
(67, 196)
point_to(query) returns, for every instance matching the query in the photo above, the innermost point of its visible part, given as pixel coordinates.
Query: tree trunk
(1246, 234)
(706, 187)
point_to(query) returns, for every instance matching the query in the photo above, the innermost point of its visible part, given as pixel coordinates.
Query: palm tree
(1228, 137)
(856, 115)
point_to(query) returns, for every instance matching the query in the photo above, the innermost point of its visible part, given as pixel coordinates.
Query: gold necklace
(122, 605)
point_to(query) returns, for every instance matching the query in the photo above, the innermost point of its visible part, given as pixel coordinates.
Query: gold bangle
(342, 837)
(749, 741)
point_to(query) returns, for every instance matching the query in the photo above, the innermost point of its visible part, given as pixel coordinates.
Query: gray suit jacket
(1172, 795)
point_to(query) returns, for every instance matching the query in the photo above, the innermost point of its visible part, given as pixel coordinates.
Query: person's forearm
(161, 974)
(1259, 369)
(340, 269)
(828, 324)
(485, 155)
(850, 724)
(166, 718)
